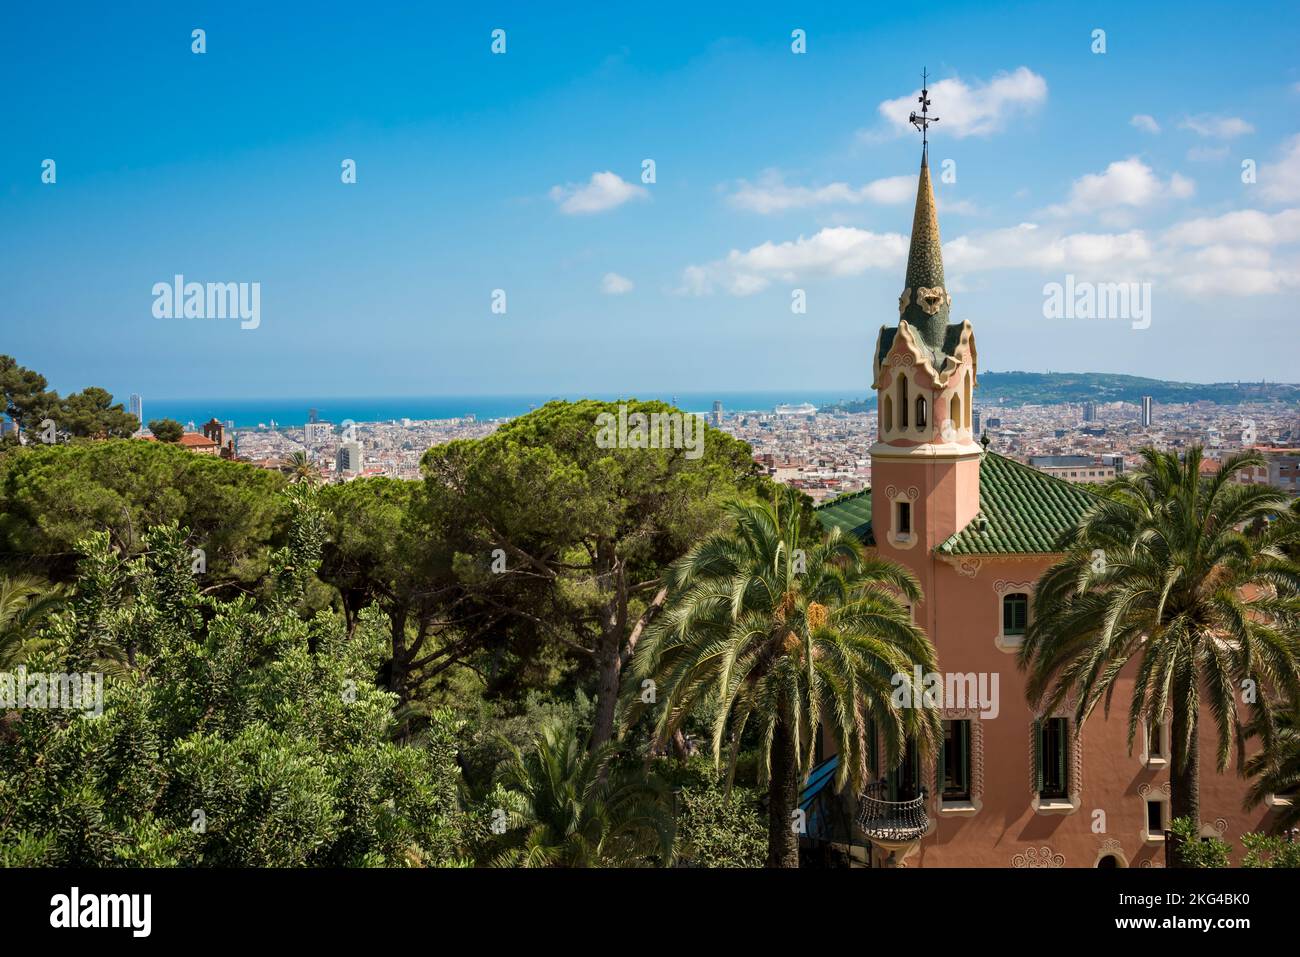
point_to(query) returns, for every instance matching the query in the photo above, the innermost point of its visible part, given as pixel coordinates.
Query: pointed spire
(925, 301)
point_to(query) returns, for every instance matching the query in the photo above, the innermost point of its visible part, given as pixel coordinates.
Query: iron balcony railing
(891, 821)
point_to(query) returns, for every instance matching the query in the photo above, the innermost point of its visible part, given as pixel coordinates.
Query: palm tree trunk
(1184, 777)
(782, 794)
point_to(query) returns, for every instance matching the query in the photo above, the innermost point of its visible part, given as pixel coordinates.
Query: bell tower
(925, 462)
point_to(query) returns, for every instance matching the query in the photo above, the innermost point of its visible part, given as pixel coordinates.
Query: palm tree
(25, 603)
(769, 627)
(1276, 768)
(300, 469)
(569, 806)
(1159, 581)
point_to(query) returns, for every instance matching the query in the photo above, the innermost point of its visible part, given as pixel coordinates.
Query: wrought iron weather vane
(923, 120)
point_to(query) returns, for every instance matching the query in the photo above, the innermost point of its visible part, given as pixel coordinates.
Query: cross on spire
(923, 120)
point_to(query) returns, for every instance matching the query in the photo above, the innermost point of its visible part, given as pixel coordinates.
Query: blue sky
(775, 171)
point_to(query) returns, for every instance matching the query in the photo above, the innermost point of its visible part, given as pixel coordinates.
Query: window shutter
(963, 755)
(1062, 748)
(940, 769)
(1038, 756)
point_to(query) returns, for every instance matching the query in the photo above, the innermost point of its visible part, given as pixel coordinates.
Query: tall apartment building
(348, 459)
(317, 433)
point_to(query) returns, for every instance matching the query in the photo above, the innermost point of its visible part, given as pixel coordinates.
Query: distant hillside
(1048, 388)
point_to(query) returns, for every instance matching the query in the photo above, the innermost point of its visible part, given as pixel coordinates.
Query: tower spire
(925, 300)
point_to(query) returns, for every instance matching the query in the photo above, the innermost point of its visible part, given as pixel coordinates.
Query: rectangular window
(1155, 817)
(954, 761)
(1053, 758)
(1015, 614)
(1155, 740)
(904, 518)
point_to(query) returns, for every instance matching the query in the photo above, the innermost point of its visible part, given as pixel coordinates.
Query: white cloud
(1217, 127)
(772, 195)
(1235, 254)
(615, 285)
(975, 109)
(833, 251)
(1147, 124)
(1261, 279)
(1227, 255)
(603, 192)
(1029, 245)
(1280, 181)
(1248, 227)
(1242, 253)
(1125, 183)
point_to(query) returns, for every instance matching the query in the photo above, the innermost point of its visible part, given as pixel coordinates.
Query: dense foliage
(52, 496)
(90, 413)
(233, 732)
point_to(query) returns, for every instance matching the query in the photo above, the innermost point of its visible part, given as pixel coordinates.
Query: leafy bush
(1269, 850)
(717, 830)
(1197, 851)
(234, 733)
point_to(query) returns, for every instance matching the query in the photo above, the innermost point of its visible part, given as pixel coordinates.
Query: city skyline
(777, 172)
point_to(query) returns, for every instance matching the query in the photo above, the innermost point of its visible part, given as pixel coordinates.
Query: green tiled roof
(851, 512)
(1022, 511)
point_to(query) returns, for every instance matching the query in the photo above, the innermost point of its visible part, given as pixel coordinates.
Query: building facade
(1281, 469)
(1010, 787)
(1073, 468)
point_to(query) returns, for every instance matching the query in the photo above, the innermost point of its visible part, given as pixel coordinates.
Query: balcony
(891, 823)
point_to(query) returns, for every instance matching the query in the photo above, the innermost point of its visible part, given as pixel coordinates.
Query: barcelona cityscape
(453, 445)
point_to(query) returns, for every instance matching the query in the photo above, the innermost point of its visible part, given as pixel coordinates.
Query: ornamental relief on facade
(1004, 588)
(913, 493)
(1145, 789)
(1042, 856)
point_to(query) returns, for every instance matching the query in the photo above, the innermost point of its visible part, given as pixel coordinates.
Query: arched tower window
(968, 400)
(954, 411)
(887, 415)
(902, 401)
(920, 412)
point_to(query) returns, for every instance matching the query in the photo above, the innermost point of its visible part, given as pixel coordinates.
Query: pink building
(1010, 788)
